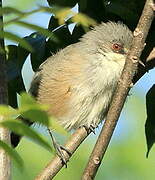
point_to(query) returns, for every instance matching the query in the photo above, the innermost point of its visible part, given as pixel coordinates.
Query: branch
(55, 165)
(4, 133)
(121, 92)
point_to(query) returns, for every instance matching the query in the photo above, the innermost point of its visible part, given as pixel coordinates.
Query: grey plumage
(78, 82)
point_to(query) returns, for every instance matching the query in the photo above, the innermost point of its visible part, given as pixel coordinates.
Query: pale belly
(90, 111)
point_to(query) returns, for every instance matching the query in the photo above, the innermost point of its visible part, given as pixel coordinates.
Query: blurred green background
(125, 158)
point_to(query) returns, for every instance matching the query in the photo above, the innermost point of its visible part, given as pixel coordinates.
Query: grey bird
(78, 82)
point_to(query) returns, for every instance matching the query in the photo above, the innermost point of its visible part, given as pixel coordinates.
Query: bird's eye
(117, 47)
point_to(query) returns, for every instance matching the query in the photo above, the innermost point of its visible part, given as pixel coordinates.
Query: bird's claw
(90, 129)
(59, 149)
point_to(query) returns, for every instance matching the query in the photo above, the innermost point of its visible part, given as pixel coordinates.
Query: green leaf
(27, 102)
(62, 13)
(36, 115)
(83, 20)
(150, 122)
(8, 10)
(15, 38)
(22, 129)
(8, 111)
(12, 153)
(54, 125)
(35, 112)
(41, 30)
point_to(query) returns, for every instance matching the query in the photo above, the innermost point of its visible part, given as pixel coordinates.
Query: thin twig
(121, 92)
(4, 133)
(56, 164)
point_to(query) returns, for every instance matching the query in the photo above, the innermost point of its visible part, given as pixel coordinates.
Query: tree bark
(4, 133)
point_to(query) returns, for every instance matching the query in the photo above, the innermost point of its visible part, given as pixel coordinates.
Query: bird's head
(111, 39)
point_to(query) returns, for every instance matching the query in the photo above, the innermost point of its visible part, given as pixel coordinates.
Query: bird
(78, 82)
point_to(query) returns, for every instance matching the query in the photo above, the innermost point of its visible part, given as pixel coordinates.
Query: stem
(121, 92)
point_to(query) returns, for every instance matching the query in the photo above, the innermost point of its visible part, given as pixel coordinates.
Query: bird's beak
(126, 50)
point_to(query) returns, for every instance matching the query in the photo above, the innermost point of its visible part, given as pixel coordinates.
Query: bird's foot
(90, 128)
(60, 152)
(59, 149)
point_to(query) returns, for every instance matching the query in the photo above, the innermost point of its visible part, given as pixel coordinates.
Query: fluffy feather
(78, 82)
